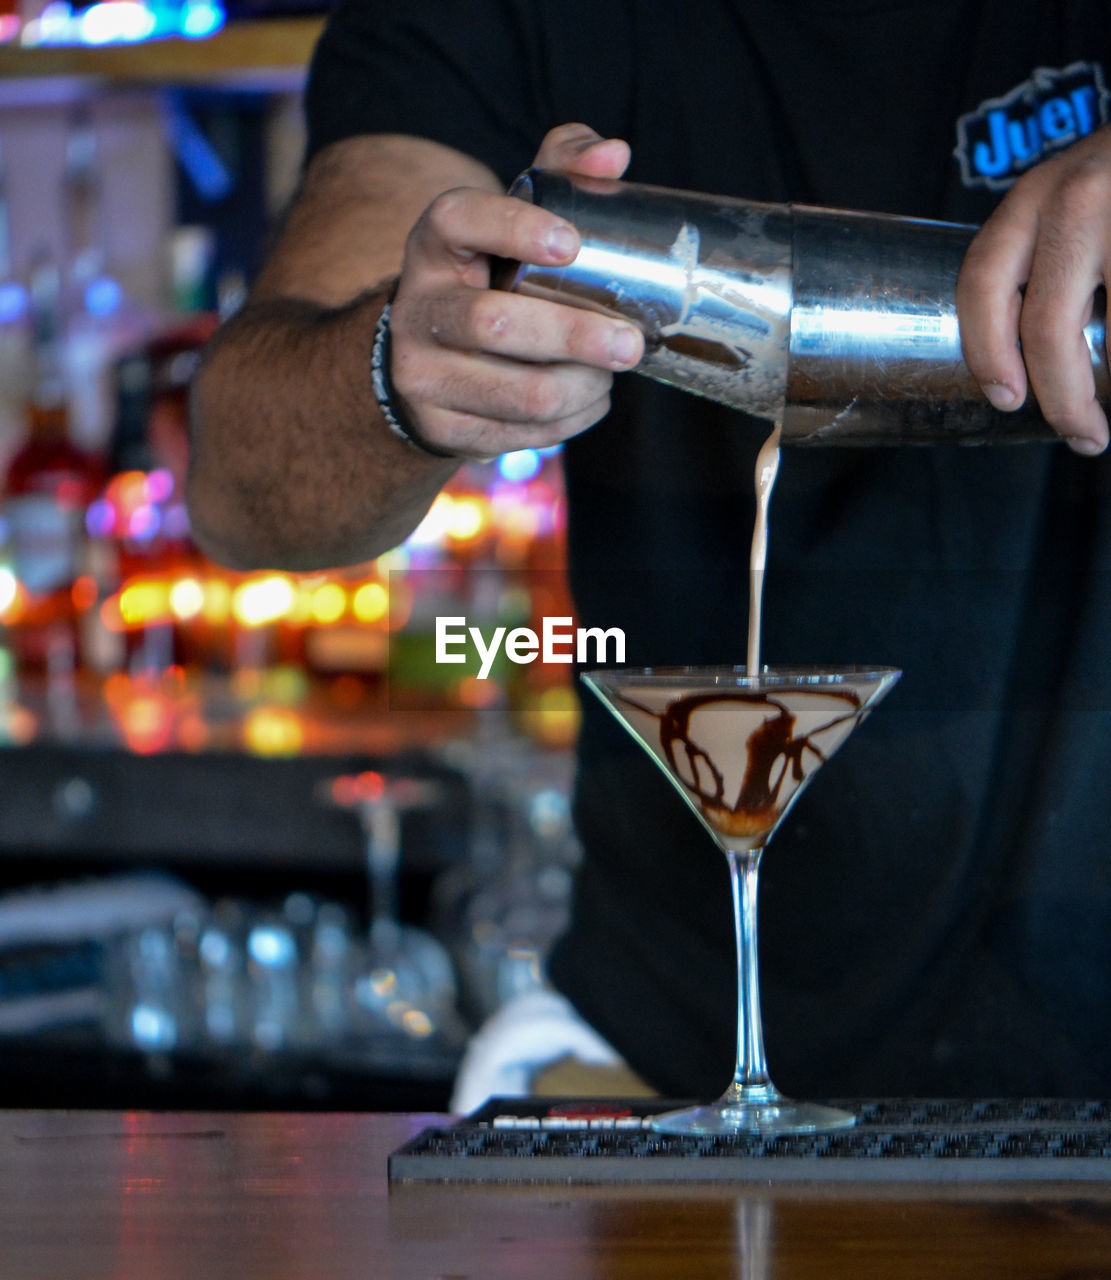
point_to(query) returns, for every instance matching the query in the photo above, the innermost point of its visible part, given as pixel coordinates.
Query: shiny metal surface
(875, 345)
(843, 324)
(706, 279)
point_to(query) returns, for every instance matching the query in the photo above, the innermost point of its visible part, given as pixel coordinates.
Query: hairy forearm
(291, 464)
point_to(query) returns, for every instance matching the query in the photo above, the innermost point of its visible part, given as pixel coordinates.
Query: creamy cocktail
(740, 749)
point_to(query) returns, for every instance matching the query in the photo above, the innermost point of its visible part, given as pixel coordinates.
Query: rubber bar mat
(897, 1140)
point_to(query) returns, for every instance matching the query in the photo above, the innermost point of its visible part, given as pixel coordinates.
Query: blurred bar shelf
(222, 798)
(62, 807)
(206, 713)
(265, 55)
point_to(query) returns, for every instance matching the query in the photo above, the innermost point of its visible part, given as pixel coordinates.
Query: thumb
(577, 148)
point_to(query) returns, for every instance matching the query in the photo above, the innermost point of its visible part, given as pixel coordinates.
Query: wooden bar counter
(208, 1196)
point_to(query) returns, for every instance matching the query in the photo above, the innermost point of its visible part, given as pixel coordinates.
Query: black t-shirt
(936, 913)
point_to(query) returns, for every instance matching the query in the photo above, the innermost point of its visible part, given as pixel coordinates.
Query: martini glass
(740, 749)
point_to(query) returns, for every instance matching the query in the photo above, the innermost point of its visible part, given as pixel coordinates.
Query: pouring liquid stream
(767, 468)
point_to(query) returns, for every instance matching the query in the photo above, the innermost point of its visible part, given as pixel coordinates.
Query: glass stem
(383, 854)
(752, 1069)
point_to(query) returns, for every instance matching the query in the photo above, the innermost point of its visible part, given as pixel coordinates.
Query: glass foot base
(763, 1115)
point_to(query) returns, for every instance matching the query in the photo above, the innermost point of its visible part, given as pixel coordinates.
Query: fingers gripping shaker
(841, 325)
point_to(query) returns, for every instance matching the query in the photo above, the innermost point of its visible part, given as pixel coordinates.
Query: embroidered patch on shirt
(1004, 136)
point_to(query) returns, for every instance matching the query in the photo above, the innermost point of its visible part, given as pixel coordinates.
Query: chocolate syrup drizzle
(772, 749)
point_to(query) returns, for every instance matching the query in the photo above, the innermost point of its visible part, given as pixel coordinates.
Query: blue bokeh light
(13, 302)
(103, 297)
(521, 465)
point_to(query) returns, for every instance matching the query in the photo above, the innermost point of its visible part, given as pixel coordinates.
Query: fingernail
(562, 241)
(625, 345)
(1001, 395)
(1084, 445)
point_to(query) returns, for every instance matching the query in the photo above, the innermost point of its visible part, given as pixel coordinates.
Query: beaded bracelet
(384, 391)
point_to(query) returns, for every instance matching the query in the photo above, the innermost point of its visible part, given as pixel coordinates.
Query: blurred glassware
(222, 960)
(333, 956)
(149, 1004)
(148, 925)
(501, 910)
(403, 983)
(273, 970)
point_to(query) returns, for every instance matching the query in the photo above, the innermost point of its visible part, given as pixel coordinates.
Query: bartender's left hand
(1028, 279)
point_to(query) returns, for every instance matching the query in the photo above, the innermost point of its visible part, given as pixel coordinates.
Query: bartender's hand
(482, 371)
(1028, 279)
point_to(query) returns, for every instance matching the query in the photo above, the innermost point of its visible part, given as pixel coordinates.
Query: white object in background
(529, 1033)
(93, 909)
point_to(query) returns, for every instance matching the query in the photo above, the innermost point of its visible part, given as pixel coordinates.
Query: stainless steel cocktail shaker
(842, 324)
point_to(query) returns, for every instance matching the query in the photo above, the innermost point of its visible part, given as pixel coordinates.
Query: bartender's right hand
(482, 371)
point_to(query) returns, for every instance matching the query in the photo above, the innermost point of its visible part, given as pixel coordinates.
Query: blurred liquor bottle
(15, 337)
(48, 486)
(143, 506)
(95, 315)
(10, 20)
